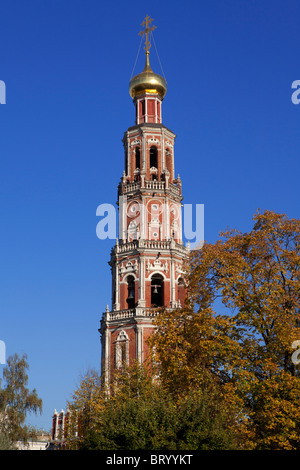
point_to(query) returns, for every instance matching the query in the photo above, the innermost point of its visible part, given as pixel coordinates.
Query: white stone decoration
(153, 140)
(157, 265)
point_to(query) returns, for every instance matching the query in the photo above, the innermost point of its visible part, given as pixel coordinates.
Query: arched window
(157, 290)
(153, 157)
(130, 292)
(137, 157)
(181, 291)
(122, 349)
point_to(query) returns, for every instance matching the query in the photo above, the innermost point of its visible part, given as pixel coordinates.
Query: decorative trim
(135, 142)
(157, 265)
(153, 140)
(129, 268)
(169, 144)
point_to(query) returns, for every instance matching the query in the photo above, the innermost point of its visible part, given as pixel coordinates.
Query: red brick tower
(146, 262)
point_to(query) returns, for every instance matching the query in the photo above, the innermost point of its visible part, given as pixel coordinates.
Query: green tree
(139, 413)
(16, 400)
(6, 443)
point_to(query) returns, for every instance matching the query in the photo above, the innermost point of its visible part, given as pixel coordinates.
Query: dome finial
(147, 81)
(146, 23)
(147, 67)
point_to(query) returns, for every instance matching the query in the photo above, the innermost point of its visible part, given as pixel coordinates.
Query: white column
(163, 163)
(180, 221)
(137, 111)
(144, 152)
(167, 220)
(107, 354)
(146, 110)
(116, 305)
(172, 284)
(56, 426)
(122, 217)
(139, 343)
(128, 157)
(62, 423)
(142, 219)
(141, 302)
(173, 165)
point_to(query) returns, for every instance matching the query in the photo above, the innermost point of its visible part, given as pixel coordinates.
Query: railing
(150, 244)
(128, 246)
(174, 188)
(131, 313)
(156, 244)
(127, 188)
(154, 185)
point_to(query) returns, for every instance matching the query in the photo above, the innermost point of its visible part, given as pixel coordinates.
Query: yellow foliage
(247, 350)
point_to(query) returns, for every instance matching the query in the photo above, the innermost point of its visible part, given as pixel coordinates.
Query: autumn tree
(16, 401)
(239, 323)
(84, 408)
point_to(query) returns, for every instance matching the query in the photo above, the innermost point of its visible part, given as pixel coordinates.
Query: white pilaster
(139, 343)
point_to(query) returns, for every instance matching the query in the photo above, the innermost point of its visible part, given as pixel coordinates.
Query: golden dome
(147, 81)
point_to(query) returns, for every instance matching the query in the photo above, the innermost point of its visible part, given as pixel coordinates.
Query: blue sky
(67, 65)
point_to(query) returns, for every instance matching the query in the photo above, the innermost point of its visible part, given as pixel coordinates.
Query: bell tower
(146, 261)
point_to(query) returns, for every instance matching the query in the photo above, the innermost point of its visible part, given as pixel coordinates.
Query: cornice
(148, 126)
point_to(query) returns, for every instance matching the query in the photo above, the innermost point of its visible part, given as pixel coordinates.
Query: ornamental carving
(179, 268)
(157, 265)
(169, 144)
(130, 267)
(153, 140)
(135, 142)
